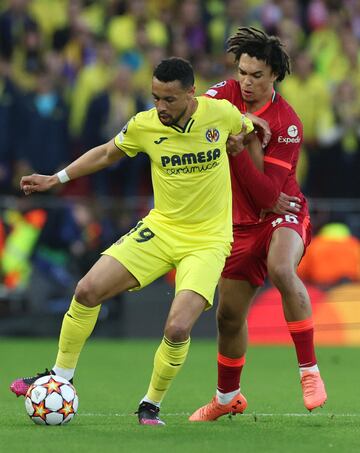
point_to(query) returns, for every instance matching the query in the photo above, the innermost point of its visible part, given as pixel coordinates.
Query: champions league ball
(51, 400)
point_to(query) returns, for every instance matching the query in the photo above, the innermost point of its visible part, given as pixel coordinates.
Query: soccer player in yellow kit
(190, 227)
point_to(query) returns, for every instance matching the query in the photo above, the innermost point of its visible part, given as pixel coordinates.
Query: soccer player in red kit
(265, 242)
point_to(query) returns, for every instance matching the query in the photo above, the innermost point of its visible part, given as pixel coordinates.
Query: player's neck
(255, 106)
(193, 104)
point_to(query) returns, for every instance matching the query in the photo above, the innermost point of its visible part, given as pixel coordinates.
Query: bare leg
(107, 278)
(235, 297)
(186, 308)
(172, 352)
(285, 251)
(234, 303)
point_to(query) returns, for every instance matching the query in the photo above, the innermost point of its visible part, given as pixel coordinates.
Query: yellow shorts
(148, 256)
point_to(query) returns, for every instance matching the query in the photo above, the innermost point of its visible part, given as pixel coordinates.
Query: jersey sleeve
(220, 90)
(285, 144)
(280, 156)
(238, 120)
(264, 187)
(128, 139)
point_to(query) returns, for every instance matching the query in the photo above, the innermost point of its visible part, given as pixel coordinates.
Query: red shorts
(251, 244)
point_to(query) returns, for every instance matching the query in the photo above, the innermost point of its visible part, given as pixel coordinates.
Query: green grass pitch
(113, 375)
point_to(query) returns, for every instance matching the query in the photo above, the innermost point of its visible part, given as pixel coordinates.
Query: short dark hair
(175, 68)
(258, 44)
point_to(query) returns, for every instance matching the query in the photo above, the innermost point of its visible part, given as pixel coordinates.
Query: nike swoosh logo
(160, 140)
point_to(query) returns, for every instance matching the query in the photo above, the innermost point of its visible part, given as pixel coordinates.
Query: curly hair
(258, 44)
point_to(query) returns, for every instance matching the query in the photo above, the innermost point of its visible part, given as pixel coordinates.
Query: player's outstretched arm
(37, 183)
(90, 162)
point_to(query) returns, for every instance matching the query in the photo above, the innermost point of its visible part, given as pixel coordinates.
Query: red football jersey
(253, 190)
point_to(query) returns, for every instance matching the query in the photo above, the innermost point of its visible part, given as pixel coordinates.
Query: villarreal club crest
(212, 135)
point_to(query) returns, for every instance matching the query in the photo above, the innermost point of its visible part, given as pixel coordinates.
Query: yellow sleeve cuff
(248, 123)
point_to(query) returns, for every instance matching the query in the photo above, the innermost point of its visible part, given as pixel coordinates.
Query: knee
(176, 331)
(225, 314)
(282, 275)
(229, 321)
(85, 293)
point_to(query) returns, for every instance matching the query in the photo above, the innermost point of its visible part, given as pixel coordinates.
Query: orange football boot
(213, 410)
(313, 388)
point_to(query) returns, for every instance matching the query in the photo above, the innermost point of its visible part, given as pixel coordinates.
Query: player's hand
(286, 204)
(263, 126)
(236, 143)
(37, 183)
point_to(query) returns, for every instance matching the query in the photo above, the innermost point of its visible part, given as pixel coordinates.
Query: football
(51, 400)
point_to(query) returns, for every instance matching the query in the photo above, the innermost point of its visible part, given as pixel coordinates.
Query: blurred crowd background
(72, 72)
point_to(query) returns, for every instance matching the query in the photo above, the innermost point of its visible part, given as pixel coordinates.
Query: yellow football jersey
(189, 166)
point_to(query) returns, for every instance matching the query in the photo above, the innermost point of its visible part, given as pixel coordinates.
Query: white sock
(225, 398)
(66, 373)
(311, 369)
(148, 400)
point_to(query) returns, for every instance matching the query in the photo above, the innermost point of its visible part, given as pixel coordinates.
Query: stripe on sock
(300, 326)
(302, 334)
(227, 361)
(175, 345)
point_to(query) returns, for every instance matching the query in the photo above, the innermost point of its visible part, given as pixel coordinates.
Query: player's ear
(274, 77)
(192, 90)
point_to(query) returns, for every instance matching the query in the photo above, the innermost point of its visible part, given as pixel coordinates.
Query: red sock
(229, 371)
(302, 333)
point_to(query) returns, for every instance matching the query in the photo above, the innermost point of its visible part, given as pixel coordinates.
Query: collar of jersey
(187, 127)
(265, 106)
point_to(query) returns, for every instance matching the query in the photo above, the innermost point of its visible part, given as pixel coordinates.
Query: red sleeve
(285, 143)
(221, 90)
(264, 188)
(280, 161)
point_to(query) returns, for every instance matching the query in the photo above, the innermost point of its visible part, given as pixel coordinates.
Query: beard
(168, 120)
